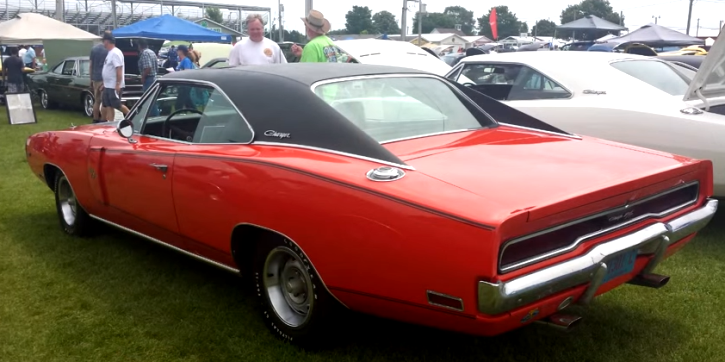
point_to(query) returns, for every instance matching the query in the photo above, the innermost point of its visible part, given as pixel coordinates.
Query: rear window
(390, 108)
(655, 73)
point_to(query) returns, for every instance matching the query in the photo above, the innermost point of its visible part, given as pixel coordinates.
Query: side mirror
(125, 128)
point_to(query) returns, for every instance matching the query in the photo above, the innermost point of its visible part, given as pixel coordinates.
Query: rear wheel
(73, 219)
(296, 307)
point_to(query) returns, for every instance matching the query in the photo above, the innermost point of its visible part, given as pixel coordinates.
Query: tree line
(361, 20)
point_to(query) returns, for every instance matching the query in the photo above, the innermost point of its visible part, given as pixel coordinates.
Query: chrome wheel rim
(89, 105)
(289, 286)
(44, 99)
(68, 203)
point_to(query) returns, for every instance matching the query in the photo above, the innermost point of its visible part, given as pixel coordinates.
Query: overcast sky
(673, 13)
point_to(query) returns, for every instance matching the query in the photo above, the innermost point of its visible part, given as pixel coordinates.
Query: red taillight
(560, 239)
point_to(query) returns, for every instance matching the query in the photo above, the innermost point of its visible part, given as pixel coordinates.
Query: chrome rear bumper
(501, 297)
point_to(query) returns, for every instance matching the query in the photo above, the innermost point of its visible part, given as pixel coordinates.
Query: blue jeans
(147, 83)
(154, 111)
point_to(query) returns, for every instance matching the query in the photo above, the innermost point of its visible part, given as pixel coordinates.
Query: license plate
(620, 265)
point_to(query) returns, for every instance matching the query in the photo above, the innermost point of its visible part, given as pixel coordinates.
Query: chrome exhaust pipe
(560, 321)
(650, 280)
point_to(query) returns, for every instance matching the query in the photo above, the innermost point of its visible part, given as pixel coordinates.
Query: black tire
(72, 217)
(87, 108)
(315, 327)
(45, 101)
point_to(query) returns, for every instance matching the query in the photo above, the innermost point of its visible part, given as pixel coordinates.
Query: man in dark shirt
(13, 72)
(98, 57)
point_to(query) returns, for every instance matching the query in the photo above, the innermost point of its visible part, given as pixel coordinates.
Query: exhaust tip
(650, 280)
(562, 322)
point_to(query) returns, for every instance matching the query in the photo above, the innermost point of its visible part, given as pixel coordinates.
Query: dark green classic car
(69, 84)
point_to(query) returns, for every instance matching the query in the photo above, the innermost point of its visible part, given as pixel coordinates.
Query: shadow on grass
(129, 297)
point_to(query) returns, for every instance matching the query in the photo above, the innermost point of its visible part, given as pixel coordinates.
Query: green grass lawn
(120, 298)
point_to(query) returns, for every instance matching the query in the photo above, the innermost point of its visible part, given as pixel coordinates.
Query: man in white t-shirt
(114, 72)
(256, 49)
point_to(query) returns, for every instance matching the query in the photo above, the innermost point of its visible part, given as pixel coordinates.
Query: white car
(390, 52)
(626, 98)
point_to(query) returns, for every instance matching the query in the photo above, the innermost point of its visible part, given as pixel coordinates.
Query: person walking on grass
(147, 64)
(97, 59)
(13, 72)
(114, 72)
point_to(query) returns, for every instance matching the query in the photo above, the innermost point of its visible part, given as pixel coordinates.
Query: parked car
(217, 63)
(68, 83)
(628, 98)
(360, 193)
(399, 53)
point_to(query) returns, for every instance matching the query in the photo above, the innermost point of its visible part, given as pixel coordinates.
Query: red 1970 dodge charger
(384, 190)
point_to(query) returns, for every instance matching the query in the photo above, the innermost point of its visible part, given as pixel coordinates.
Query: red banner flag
(492, 21)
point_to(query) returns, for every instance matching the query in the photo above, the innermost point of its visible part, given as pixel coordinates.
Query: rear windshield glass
(655, 73)
(390, 108)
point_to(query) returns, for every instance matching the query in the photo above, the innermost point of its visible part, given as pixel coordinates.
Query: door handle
(162, 168)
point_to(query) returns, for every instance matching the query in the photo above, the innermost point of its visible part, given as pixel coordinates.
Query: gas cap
(385, 173)
(691, 110)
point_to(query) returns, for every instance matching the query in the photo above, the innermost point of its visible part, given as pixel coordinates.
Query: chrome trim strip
(157, 241)
(429, 292)
(431, 134)
(501, 297)
(303, 253)
(572, 135)
(579, 240)
(292, 145)
(165, 81)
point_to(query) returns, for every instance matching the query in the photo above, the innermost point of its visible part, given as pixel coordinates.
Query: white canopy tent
(32, 28)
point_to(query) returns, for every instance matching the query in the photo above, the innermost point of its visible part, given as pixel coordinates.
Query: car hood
(527, 170)
(710, 77)
(393, 53)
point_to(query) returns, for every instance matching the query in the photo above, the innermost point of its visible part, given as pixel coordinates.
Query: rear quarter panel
(359, 240)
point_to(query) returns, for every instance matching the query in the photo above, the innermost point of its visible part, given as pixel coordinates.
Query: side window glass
(220, 64)
(68, 67)
(532, 85)
(197, 114)
(139, 113)
(85, 68)
(58, 68)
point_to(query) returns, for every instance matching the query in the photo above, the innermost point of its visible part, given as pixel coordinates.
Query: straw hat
(316, 22)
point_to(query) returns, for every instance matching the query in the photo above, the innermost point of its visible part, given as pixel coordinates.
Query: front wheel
(296, 307)
(73, 219)
(45, 100)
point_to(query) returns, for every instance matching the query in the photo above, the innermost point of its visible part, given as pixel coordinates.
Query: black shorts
(109, 98)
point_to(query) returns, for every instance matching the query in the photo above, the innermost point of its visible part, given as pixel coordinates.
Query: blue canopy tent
(169, 27)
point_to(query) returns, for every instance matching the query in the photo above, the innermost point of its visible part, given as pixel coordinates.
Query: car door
(51, 82)
(133, 177)
(63, 81)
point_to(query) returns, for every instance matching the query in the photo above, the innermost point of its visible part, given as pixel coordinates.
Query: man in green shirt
(320, 48)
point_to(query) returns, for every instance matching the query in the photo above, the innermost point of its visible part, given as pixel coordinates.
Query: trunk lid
(543, 174)
(709, 81)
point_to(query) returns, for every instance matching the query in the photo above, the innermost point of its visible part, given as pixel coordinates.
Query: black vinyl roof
(278, 97)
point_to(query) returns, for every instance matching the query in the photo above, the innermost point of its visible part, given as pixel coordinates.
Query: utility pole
(621, 18)
(281, 10)
(655, 17)
(689, 17)
(308, 7)
(697, 33)
(421, 11)
(404, 20)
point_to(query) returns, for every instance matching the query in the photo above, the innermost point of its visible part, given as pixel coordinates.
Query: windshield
(390, 108)
(655, 73)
